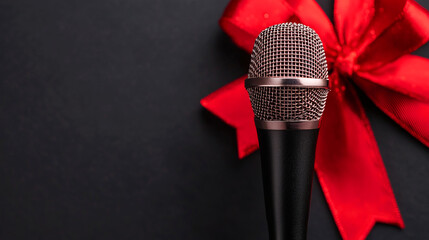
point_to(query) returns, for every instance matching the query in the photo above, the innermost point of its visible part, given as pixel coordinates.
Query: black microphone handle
(287, 158)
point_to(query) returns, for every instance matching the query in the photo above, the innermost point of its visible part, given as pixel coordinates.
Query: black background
(102, 135)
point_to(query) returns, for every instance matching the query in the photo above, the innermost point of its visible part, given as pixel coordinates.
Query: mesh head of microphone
(288, 50)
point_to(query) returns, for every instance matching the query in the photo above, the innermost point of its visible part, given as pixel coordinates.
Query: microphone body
(288, 88)
(287, 159)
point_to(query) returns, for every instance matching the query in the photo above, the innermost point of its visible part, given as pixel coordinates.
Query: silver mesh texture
(288, 50)
(287, 103)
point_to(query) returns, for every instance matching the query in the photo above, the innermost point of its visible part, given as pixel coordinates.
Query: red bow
(370, 47)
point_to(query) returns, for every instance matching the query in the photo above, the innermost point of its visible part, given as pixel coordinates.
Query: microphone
(288, 87)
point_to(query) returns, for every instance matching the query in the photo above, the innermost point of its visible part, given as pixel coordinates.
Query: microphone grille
(288, 50)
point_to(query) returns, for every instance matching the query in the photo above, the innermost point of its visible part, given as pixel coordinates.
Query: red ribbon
(370, 47)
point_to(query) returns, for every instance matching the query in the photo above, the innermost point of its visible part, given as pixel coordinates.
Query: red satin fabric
(369, 46)
(231, 104)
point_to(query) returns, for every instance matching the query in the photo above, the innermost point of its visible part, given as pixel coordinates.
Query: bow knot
(345, 63)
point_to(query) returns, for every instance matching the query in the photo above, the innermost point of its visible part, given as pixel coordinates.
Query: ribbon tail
(231, 104)
(350, 169)
(247, 139)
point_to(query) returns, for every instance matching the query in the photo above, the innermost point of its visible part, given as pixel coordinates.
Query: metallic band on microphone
(287, 81)
(282, 125)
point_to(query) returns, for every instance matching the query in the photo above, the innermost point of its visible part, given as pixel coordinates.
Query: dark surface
(287, 162)
(103, 136)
